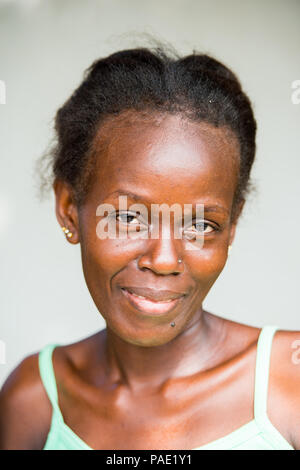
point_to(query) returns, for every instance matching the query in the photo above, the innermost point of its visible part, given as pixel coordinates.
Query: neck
(195, 349)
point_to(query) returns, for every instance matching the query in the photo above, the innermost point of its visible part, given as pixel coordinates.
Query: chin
(147, 337)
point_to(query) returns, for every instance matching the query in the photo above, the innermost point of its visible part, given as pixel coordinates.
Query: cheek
(104, 259)
(206, 265)
(111, 256)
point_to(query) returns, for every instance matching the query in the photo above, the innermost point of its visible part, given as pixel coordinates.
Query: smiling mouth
(150, 306)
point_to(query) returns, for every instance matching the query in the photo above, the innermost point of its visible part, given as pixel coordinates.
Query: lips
(152, 301)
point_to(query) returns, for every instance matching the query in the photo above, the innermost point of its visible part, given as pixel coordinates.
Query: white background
(44, 48)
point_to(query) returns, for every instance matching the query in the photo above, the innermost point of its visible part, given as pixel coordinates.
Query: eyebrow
(135, 197)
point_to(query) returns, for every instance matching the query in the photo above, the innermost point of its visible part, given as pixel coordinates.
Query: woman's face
(167, 161)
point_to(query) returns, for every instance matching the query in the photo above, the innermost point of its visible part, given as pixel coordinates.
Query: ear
(66, 210)
(235, 221)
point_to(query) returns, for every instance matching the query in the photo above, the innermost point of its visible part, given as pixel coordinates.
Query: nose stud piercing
(67, 232)
(180, 261)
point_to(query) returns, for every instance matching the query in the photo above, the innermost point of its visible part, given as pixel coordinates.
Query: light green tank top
(258, 434)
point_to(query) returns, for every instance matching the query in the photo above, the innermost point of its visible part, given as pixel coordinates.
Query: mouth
(151, 306)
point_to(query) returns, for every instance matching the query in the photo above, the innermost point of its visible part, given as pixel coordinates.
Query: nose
(162, 255)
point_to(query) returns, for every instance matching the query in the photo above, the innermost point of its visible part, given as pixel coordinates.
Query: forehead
(165, 155)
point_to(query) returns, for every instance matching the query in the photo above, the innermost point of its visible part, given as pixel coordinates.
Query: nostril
(144, 268)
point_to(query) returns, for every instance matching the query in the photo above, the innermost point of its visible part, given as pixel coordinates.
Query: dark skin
(140, 383)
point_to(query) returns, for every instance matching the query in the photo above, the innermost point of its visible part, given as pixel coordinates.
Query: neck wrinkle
(139, 368)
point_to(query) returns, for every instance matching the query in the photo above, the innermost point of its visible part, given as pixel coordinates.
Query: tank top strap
(263, 357)
(48, 378)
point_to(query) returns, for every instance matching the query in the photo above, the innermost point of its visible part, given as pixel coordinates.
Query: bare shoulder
(238, 337)
(25, 409)
(286, 349)
(284, 397)
(283, 405)
(79, 355)
(285, 364)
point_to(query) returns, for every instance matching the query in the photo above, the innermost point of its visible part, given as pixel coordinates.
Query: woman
(155, 129)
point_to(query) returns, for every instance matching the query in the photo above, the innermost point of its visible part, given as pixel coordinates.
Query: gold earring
(229, 250)
(67, 232)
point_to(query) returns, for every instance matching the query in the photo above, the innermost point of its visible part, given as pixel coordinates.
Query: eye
(200, 228)
(126, 218)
